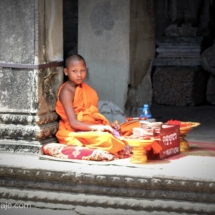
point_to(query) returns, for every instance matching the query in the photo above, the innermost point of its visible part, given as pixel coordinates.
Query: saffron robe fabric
(85, 106)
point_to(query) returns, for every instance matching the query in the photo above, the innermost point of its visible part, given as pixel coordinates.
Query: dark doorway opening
(70, 28)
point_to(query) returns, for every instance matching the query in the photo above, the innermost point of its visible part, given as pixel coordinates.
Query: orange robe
(85, 105)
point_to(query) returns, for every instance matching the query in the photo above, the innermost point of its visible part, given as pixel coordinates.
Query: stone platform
(178, 186)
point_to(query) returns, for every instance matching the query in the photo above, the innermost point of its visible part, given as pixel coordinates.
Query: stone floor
(182, 186)
(205, 114)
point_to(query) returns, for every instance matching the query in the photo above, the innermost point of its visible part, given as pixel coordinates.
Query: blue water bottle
(145, 112)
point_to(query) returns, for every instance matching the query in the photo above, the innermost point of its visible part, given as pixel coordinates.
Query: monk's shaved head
(74, 57)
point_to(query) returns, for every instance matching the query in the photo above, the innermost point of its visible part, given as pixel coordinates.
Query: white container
(150, 125)
(141, 132)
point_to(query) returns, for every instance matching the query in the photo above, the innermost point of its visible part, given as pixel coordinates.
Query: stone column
(31, 54)
(117, 39)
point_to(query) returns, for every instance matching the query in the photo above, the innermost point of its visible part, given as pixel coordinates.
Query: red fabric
(83, 153)
(177, 122)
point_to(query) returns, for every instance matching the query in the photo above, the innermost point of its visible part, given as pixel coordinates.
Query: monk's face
(76, 71)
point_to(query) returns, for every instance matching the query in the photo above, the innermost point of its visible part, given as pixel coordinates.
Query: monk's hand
(102, 128)
(108, 128)
(115, 126)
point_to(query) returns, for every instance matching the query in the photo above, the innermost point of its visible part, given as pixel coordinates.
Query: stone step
(94, 204)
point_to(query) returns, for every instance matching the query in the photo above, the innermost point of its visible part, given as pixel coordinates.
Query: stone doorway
(70, 26)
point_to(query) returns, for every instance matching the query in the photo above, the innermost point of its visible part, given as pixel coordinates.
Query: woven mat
(196, 149)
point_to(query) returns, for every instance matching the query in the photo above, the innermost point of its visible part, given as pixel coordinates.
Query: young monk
(81, 124)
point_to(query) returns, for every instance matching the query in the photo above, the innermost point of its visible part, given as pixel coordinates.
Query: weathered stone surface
(28, 132)
(210, 93)
(29, 26)
(182, 18)
(179, 86)
(49, 81)
(32, 94)
(30, 35)
(105, 47)
(28, 119)
(181, 51)
(145, 188)
(17, 90)
(136, 96)
(208, 59)
(208, 63)
(111, 111)
(187, 16)
(17, 31)
(118, 47)
(22, 147)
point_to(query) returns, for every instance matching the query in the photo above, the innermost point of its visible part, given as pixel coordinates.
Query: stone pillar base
(24, 147)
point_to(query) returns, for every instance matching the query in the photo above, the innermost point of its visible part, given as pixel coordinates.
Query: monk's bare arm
(66, 98)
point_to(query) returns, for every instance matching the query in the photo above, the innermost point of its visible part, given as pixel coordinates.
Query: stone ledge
(138, 188)
(23, 147)
(108, 202)
(145, 187)
(110, 180)
(26, 119)
(148, 193)
(28, 132)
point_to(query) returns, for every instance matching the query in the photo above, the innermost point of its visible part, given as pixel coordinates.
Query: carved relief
(28, 119)
(115, 191)
(49, 81)
(24, 115)
(30, 132)
(167, 187)
(77, 198)
(27, 149)
(199, 197)
(49, 88)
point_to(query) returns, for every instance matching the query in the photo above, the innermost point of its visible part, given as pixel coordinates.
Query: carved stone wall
(31, 54)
